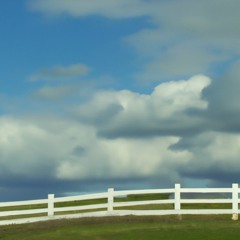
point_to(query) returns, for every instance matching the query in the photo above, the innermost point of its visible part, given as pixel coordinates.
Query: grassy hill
(129, 227)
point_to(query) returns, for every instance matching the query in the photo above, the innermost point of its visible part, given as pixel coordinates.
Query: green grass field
(128, 228)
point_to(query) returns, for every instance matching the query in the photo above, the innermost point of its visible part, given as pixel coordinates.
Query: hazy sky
(118, 93)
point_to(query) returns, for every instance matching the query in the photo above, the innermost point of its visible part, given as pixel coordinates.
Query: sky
(124, 94)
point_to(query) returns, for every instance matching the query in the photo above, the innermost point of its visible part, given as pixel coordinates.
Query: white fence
(105, 204)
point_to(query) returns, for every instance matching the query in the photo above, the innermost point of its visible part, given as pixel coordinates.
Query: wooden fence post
(177, 198)
(50, 205)
(110, 199)
(235, 201)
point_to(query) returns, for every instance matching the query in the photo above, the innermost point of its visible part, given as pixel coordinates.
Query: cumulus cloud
(46, 151)
(214, 157)
(122, 158)
(32, 148)
(103, 139)
(123, 139)
(60, 72)
(20, 150)
(171, 109)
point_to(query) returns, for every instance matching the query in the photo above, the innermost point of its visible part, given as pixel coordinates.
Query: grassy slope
(158, 227)
(130, 227)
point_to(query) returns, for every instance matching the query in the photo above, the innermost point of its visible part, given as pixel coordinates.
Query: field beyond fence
(173, 201)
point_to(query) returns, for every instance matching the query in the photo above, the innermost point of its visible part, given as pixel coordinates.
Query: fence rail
(112, 203)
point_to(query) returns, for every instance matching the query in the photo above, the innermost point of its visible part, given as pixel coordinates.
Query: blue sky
(118, 93)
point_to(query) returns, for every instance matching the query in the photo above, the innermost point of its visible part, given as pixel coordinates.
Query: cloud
(125, 139)
(223, 97)
(20, 150)
(53, 93)
(183, 38)
(171, 109)
(131, 162)
(61, 72)
(188, 38)
(214, 157)
(186, 128)
(43, 152)
(181, 60)
(32, 147)
(81, 8)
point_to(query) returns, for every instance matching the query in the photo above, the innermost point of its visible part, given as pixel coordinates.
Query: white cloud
(215, 156)
(59, 72)
(20, 151)
(32, 148)
(123, 158)
(53, 149)
(165, 111)
(182, 94)
(165, 136)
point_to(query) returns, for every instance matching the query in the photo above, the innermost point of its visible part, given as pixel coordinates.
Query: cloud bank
(153, 139)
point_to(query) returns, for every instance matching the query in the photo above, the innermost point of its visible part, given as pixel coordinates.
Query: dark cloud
(224, 101)
(78, 151)
(182, 125)
(98, 115)
(18, 188)
(215, 174)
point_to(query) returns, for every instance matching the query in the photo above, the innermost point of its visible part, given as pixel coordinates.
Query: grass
(128, 228)
(142, 197)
